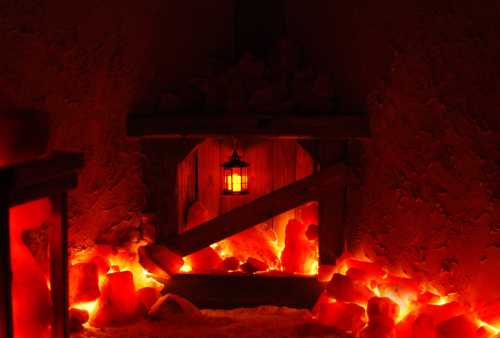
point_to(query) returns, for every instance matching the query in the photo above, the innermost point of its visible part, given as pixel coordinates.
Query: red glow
(399, 306)
(31, 296)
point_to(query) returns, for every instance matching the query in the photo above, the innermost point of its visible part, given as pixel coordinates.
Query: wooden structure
(230, 291)
(52, 177)
(168, 139)
(307, 159)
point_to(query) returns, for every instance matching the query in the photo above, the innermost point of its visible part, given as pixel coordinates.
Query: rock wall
(428, 75)
(87, 63)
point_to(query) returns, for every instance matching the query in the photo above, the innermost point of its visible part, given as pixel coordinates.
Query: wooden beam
(58, 245)
(202, 126)
(259, 210)
(56, 173)
(332, 202)
(233, 291)
(159, 171)
(6, 316)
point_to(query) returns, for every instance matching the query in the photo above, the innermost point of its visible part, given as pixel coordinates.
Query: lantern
(235, 176)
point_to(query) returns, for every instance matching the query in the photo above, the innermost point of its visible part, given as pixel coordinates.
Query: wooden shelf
(228, 291)
(201, 126)
(54, 173)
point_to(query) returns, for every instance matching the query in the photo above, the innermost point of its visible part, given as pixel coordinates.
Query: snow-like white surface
(265, 322)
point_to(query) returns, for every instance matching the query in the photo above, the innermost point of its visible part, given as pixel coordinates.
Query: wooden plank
(234, 291)
(261, 209)
(202, 126)
(209, 176)
(6, 317)
(331, 216)
(283, 169)
(42, 189)
(25, 175)
(58, 244)
(161, 158)
(186, 187)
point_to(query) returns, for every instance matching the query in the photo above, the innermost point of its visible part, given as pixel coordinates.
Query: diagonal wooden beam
(259, 210)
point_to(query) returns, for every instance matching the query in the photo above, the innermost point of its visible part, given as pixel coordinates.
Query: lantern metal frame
(229, 169)
(48, 177)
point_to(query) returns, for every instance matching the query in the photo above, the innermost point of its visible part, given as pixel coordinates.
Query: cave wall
(87, 64)
(427, 73)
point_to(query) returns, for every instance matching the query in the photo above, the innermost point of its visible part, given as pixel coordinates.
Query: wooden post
(332, 202)
(58, 243)
(6, 316)
(162, 157)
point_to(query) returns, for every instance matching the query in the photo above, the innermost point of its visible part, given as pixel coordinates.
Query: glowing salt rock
(326, 272)
(456, 327)
(322, 299)
(382, 307)
(401, 285)
(230, 264)
(171, 304)
(148, 233)
(253, 265)
(344, 289)
(83, 283)
(297, 251)
(404, 329)
(312, 232)
(371, 270)
(486, 332)
(309, 213)
(165, 259)
(345, 317)
(440, 313)
(148, 296)
(205, 260)
(382, 314)
(31, 296)
(77, 318)
(424, 327)
(118, 303)
(102, 264)
(490, 313)
(428, 297)
(148, 264)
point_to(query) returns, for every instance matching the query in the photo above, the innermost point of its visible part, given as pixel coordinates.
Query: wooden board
(203, 126)
(233, 291)
(261, 209)
(6, 317)
(160, 175)
(35, 179)
(58, 245)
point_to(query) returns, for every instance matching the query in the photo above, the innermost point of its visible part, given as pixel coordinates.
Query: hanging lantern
(235, 176)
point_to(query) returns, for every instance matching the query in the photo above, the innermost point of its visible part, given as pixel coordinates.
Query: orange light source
(235, 175)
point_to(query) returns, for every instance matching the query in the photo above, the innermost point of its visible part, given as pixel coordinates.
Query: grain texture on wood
(202, 126)
(261, 209)
(233, 291)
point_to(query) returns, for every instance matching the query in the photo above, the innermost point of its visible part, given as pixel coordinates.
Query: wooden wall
(273, 164)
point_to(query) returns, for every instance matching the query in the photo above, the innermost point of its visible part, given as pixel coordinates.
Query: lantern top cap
(235, 161)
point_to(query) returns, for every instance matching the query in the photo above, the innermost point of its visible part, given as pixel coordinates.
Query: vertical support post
(162, 157)
(331, 204)
(6, 314)
(58, 246)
